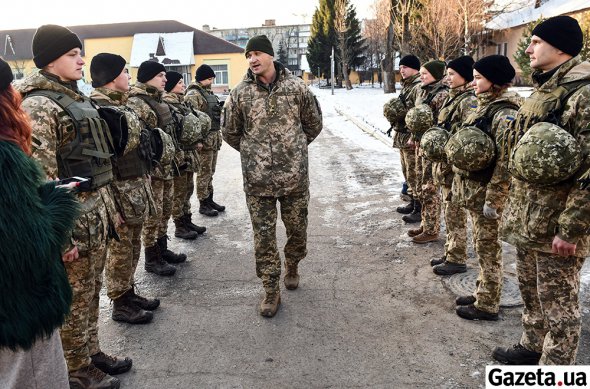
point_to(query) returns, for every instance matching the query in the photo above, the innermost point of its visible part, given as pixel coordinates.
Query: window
(502, 48)
(221, 74)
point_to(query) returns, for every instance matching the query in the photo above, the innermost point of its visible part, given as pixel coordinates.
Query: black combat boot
(189, 223)
(168, 255)
(465, 300)
(126, 311)
(143, 302)
(449, 268)
(214, 205)
(111, 365)
(406, 209)
(155, 264)
(182, 231)
(205, 208)
(415, 216)
(516, 355)
(470, 312)
(438, 261)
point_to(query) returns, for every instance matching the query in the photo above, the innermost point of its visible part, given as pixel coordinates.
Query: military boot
(189, 223)
(270, 303)
(415, 216)
(414, 232)
(90, 377)
(406, 209)
(516, 355)
(214, 205)
(424, 238)
(155, 264)
(291, 279)
(168, 255)
(205, 208)
(404, 195)
(143, 302)
(111, 365)
(449, 268)
(437, 261)
(182, 231)
(470, 312)
(124, 310)
(465, 300)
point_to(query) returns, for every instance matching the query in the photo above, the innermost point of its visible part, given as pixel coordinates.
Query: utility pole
(332, 70)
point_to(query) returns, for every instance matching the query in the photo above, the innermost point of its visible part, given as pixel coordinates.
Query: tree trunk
(346, 76)
(387, 64)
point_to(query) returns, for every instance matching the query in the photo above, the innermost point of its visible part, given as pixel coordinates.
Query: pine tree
(282, 54)
(521, 58)
(355, 41)
(322, 39)
(585, 24)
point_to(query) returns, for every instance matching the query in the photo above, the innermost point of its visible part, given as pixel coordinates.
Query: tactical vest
(432, 94)
(88, 155)
(450, 107)
(213, 109)
(164, 114)
(135, 163)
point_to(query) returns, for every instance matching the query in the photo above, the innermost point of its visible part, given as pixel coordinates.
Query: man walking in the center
(270, 118)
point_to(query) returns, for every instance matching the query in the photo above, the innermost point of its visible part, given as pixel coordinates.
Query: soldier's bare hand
(119, 220)
(563, 248)
(71, 255)
(199, 146)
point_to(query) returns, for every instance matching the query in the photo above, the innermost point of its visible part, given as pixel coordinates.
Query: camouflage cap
(433, 144)
(419, 119)
(545, 155)
(470, 149)
(394, 110)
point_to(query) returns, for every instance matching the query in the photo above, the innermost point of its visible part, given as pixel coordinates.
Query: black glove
(389, 131)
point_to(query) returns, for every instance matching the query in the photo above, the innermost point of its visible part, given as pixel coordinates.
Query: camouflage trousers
(79, 334)
(122, 260)
(408, 161)
(183, 190)
(489, 254)
(428, 194)
(156, 225)
(263, 214)
(551, 319)
(208, 160)
(456, 226)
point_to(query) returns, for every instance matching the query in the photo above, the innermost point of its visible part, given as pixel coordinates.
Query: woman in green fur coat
(35, 218)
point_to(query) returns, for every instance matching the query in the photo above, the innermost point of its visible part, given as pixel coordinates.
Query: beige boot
(291, 276)
(415, 232)
(270, 303)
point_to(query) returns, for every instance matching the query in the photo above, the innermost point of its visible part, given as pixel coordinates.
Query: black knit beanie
(436, 68)
(260, 43)
(410, 61)
(105, 67)
(172, 79)
(148, 70)
(51, 42)
(496, 68)
(464, 66)
(6, 76)
(563, 33)
(204, 72)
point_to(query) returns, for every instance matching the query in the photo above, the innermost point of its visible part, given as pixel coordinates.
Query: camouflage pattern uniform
(460, 104)
(472, 190)
(195, 97)
(426, 190)
(52, 129)
(535, 214)
(407, 155)
(156, 225)
(271, 127)
(133, 199)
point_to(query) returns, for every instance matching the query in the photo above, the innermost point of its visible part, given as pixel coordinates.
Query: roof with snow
(168, 49)
(529, 14)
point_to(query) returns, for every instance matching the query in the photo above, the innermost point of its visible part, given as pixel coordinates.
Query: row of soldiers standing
(140, 149)
(519, 168)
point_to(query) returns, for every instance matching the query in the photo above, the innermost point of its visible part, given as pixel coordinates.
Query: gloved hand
(489, 212)
(389, 132)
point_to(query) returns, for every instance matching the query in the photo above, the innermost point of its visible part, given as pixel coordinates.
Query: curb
(369, 129)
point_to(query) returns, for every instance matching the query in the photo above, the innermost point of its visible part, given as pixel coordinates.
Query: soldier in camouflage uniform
(146, 100)
(270, 118)
(409, 67)
(200, 97)
(184, 181)
(130, 187)
(460, 103)
(549, 222)
(52, 100)
(482, 192)
(433, 93)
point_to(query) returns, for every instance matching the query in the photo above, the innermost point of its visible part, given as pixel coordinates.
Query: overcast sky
(215, 13)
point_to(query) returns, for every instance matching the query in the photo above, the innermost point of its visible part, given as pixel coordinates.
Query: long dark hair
(15, 125)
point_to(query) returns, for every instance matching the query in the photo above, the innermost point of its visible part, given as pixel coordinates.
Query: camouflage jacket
(535, 214)
(435, 95)
(471, 193)
(54, 128)
(460, 103)
(194, 96)
(191, 158)
(409, 92)
(133, 197)
(150, 119)
(272, 127)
